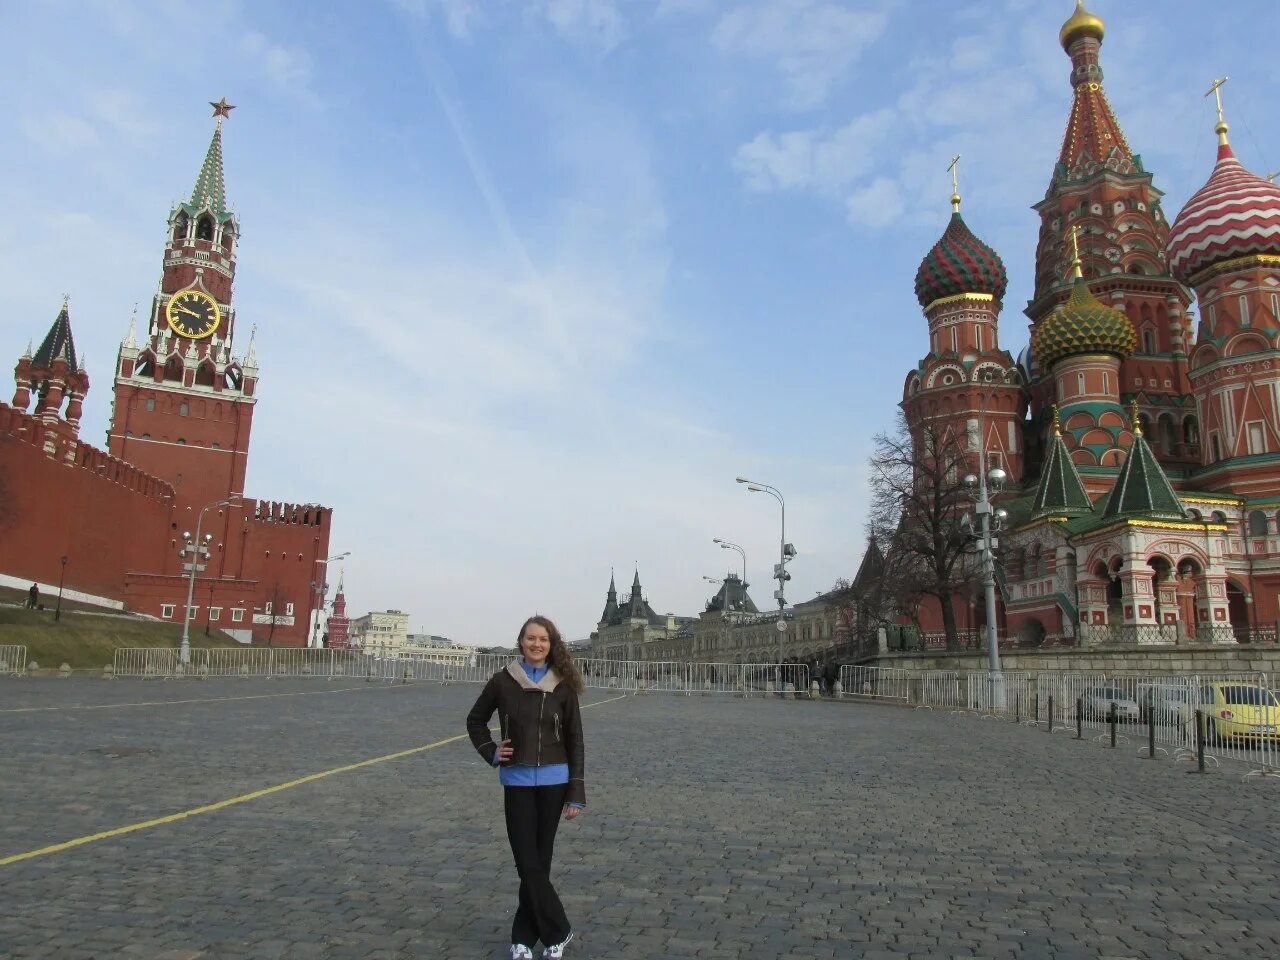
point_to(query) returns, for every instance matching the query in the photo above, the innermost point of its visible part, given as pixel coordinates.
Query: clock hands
(182, 309)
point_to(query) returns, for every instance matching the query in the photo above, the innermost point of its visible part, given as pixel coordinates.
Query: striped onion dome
(1082, 325)
(959, 263)
(1235, 214)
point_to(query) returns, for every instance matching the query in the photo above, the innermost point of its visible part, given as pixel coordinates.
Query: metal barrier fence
(742, 679)
(1238, 713)
(13, 659)
(633, 676)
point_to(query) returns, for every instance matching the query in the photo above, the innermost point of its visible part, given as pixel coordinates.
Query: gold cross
(1057, 423)
(955, 184)
(1075, 243)
(1137, 424)
(1216, 91)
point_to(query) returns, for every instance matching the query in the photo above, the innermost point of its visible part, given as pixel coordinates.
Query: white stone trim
(47, 589)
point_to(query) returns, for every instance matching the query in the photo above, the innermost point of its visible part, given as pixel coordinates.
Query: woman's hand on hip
(571, 812)
(505, 751)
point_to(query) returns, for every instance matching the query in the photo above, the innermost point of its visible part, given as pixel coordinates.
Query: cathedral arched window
(204, 228)
(1190, 431)
(1168, 434)
(180, 226)
(184, 409)
(1216, 447)
(173, 369)
(1257, 523)
(228, 237)
(205, 375)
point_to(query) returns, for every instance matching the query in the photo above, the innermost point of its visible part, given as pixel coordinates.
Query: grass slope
(88, 641)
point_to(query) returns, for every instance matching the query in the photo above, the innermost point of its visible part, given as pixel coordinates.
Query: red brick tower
(183, 405)
(1099, 187)
(339, 622)
(966, 380)
(1226, 245)
(55, 377)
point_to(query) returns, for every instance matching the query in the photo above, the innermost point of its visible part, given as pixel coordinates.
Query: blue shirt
(522, 775)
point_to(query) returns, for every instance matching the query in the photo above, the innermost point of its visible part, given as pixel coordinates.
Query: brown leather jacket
(542, 720)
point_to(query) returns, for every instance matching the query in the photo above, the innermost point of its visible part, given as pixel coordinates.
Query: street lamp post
(195, 550)
(321, 588)
(57, 613)
(989, 522)
(785, 552)
(726, 545)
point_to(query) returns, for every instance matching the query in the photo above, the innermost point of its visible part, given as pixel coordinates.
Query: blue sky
(535, 279)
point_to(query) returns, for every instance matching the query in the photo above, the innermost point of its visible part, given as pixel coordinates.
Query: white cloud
(597, 23)
(811, 43)
(59, 133)
(287, 67)
(878, 204)
(459, 16)
(812, 159)
(672, 8)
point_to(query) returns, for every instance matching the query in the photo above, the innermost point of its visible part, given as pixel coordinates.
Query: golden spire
(1221, 128)
(1137, 424)
(955, 184)
(1077, 270)
(1057, 422)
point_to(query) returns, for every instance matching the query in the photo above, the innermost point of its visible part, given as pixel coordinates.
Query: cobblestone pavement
(715, 828)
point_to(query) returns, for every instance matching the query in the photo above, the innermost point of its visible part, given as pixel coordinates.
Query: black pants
(533, 814)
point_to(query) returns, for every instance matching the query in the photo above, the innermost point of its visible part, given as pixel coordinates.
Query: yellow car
(1242, 711)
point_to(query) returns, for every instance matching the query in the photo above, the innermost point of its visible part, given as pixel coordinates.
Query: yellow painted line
(243, 798)
(164, 703)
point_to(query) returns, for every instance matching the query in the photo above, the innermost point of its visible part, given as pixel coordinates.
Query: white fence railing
(13, 659)
(633, 676)
(1240, 712)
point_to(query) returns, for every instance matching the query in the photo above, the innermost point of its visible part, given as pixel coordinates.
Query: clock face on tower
(193, 314)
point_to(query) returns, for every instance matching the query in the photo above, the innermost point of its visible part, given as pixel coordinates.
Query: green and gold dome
(1082, 325)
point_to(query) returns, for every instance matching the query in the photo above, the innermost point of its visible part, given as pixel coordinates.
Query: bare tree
(918, 497)
(274, 602)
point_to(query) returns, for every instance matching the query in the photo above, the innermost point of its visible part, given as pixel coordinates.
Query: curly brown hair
(560, 657)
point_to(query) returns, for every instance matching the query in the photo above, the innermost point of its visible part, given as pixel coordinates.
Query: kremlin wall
(111, 526)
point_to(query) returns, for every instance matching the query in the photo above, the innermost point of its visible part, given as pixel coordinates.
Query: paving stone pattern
(716, 828)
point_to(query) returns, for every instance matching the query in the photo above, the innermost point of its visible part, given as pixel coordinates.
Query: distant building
(625, 629)
(339, 626)
(730, 630)
(381, 632)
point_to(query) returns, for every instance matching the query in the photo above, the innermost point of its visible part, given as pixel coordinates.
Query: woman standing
(541, 769)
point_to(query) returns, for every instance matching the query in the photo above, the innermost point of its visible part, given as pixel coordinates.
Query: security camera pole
(987, 543)
(785, 552)
(197, 553)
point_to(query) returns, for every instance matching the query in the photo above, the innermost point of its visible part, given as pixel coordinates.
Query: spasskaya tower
(183, 404)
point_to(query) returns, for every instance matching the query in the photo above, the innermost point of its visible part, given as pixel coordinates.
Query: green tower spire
(1142, 489)
(1060, 492)
(210, 191)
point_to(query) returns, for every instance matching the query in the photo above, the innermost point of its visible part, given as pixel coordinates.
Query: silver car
(1097, 703)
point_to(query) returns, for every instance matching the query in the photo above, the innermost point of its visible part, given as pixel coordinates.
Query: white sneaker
(520, 952)
(556, 952)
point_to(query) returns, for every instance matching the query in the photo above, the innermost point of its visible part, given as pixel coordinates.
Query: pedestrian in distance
(33, 597)
(539, 758)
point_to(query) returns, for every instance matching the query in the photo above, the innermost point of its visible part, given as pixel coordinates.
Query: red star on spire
(221, 108)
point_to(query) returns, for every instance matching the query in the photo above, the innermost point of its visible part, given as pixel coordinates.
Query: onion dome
(960, 263)
(1235, 214)
(1082, 325)
(1082, 23)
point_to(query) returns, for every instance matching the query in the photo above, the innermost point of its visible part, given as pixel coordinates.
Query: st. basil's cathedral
(117, 528)
(1141, 441)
